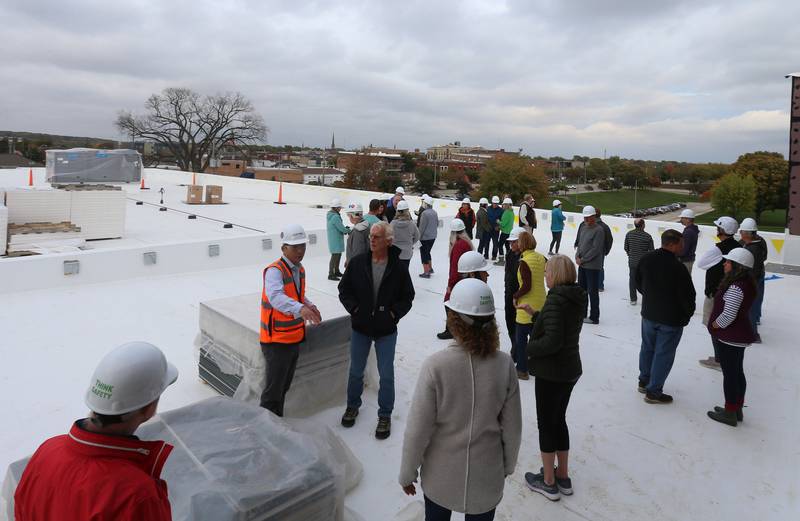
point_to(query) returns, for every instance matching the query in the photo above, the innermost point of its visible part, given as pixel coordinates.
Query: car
(572, 187)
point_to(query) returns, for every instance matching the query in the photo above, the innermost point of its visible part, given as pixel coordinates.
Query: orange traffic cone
(194, 180)
(142, 186)
(30, 177)
(280, 194)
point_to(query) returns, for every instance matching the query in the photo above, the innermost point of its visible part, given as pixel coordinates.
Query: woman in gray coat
(406, 233)
(465, 422)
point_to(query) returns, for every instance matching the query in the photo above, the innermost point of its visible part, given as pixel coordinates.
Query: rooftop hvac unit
(88, 165)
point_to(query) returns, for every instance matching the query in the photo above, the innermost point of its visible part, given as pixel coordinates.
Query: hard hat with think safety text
(589, 211)
(687, 214)
(727, 224)
(128, 378)
(402, 205)
(740, 256)
(514, 235)
(495, 199)
(471, 297)
(508, 200)
(457, 225)
(354, 208)
(556, 202)
(472, 261)
(483, 200)
(293, 234)
(748, 225)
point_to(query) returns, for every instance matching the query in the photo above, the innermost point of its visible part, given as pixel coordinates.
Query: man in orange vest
(284, 313)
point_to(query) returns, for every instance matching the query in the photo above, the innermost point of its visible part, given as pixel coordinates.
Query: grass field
(617, 201)
(771, 221)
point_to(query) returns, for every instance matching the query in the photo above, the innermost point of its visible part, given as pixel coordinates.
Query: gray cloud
(686, 80)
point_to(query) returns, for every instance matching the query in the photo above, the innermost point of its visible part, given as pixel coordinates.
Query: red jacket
(94, 477)
(459, 248)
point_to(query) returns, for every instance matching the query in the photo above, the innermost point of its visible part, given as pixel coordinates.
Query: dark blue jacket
(494, 216)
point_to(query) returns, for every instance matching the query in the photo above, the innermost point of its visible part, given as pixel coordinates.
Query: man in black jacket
(667, 305)
(377, 292)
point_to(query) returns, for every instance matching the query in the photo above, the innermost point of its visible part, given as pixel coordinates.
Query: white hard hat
(748, 225)
(514, 235)
(336, 203)
(556, 202)
(402, 205)
(687, 214)
(354, 208)
(495, 199)
(427, 199)
(508, 200)
(471, 297)
(400, 190)
(483, 201)
(740, 256)
(465, 200)
(128, 378)
(457, 225)
(589, 211)
(727, 224)
(472, 261)
(293, 234)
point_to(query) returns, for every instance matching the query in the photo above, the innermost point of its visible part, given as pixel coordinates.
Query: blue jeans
(436, 512)
(659, 343)
(384, 352)
(589, 280)
(521, 335)
(483, 244)
(755, 309)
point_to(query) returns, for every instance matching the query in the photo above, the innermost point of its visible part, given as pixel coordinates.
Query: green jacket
(507, 221)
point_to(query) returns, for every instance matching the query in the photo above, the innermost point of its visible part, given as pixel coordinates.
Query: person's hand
(714, 325)
(577, 260)
(410, 490)
(526, 307)
(310, 315)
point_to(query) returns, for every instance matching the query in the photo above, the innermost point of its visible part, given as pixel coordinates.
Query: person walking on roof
(464, 425)
(285, 309)
(459, 245)
(336, 232)
(690, 235)
(637, 243)
(753, 243)
(506, 225)
(495, 213)
(101, 470)
(527, 214)
(377, 292)
(556, 227)
(589, 257)
(358, 239)
(428, 229)
(467, 214)
(483, 228)
(406, 233)
(713, 262)
(668, 302)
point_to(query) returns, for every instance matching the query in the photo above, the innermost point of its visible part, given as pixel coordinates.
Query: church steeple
(333, 141)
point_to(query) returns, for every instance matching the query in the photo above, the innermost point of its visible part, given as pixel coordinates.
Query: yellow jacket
(537, 293)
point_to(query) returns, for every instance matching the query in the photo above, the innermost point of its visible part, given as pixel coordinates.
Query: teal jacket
(336, 232)
(507, 221)
(557, 220)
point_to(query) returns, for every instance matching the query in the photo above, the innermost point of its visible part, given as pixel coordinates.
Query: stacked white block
(3, 227)
(38, 206)
(99, 213)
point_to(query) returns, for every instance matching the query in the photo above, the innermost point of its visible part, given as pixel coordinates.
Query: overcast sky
(686, 80)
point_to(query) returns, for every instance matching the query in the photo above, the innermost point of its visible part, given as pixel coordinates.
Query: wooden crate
(213, 194)
(194, 194)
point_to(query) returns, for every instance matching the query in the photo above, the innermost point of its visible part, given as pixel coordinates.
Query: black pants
(425, 250)
(503, 245)
(734, 384)
(494, 235)
(511, 321)
(632, 282)
(281, 362)
(552, 399)
(483, 244)
(333, 265)
(436, 512)
(404, 263)
(555, 242)
(469, 233)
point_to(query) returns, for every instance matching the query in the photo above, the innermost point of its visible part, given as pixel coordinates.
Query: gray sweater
(405, 235)
(464, 429)
(591, 246)
(357, 241)
(428, 224)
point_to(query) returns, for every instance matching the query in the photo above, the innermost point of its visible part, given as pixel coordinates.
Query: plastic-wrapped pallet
(99, 213)
(87, 165)
(3, 228)
(231, 361)
(235, 461)
(38, 205)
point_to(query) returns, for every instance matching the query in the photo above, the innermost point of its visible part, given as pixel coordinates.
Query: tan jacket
(464, 429)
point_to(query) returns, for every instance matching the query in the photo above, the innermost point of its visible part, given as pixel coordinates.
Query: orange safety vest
(277, 327)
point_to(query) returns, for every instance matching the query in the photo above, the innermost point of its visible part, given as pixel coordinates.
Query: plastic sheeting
(3, 226)
(87, 165)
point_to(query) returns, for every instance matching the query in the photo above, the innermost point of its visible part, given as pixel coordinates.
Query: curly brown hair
(481, 338)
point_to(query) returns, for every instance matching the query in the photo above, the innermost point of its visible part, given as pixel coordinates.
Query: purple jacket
(741, 330)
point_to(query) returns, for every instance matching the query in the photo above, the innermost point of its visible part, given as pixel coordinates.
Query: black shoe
(536, 483)
(590, 321)
(339, 274)
(660, 398)
(739, 415)
(723, 416)
(349, 417)
(333, 277)
(642, 387)
(444, 335)
(384, 428)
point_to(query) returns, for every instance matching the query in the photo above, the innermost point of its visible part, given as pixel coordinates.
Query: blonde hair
(454, 236)
(562, 270)
(526, 241)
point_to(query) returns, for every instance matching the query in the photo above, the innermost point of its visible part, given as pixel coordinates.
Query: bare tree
(191, 126)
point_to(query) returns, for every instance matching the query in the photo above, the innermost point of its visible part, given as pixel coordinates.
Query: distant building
(322, 175)
(389, 162)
